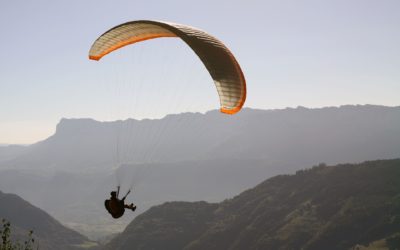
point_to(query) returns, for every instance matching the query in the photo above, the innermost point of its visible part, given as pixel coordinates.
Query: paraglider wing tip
(96, 58)
(230, 111)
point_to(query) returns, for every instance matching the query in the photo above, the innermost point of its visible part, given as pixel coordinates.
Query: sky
(293, 53)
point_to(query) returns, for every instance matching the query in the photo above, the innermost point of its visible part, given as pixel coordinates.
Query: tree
(7, 243)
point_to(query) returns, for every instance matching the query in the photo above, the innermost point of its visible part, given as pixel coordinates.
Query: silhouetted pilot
(117, 207)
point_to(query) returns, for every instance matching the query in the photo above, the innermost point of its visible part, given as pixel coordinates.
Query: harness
(115, 207)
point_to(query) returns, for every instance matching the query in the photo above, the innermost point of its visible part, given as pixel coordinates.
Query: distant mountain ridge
(48, 233)
(332, 135)
(9, 152)
(348, 206)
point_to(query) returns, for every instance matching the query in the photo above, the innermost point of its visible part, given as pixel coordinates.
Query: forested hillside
(349, 206)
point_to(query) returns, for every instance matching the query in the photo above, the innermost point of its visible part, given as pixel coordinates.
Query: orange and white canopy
(216, 57)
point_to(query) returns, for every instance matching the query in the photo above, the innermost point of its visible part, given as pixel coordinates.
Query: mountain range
(186, 157)
(331, 135)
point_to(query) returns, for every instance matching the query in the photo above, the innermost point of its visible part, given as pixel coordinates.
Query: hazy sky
(309, 53)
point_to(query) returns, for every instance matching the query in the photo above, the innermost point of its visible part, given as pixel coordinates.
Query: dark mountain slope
(174, 226)
(48, 232)
(320, 208)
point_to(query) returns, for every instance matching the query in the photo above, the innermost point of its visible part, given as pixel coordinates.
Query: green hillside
(349, 206)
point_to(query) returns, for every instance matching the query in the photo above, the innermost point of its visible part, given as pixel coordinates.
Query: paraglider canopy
(217, 58)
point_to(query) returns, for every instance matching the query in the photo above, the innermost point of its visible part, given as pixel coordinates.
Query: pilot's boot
(133, 207)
